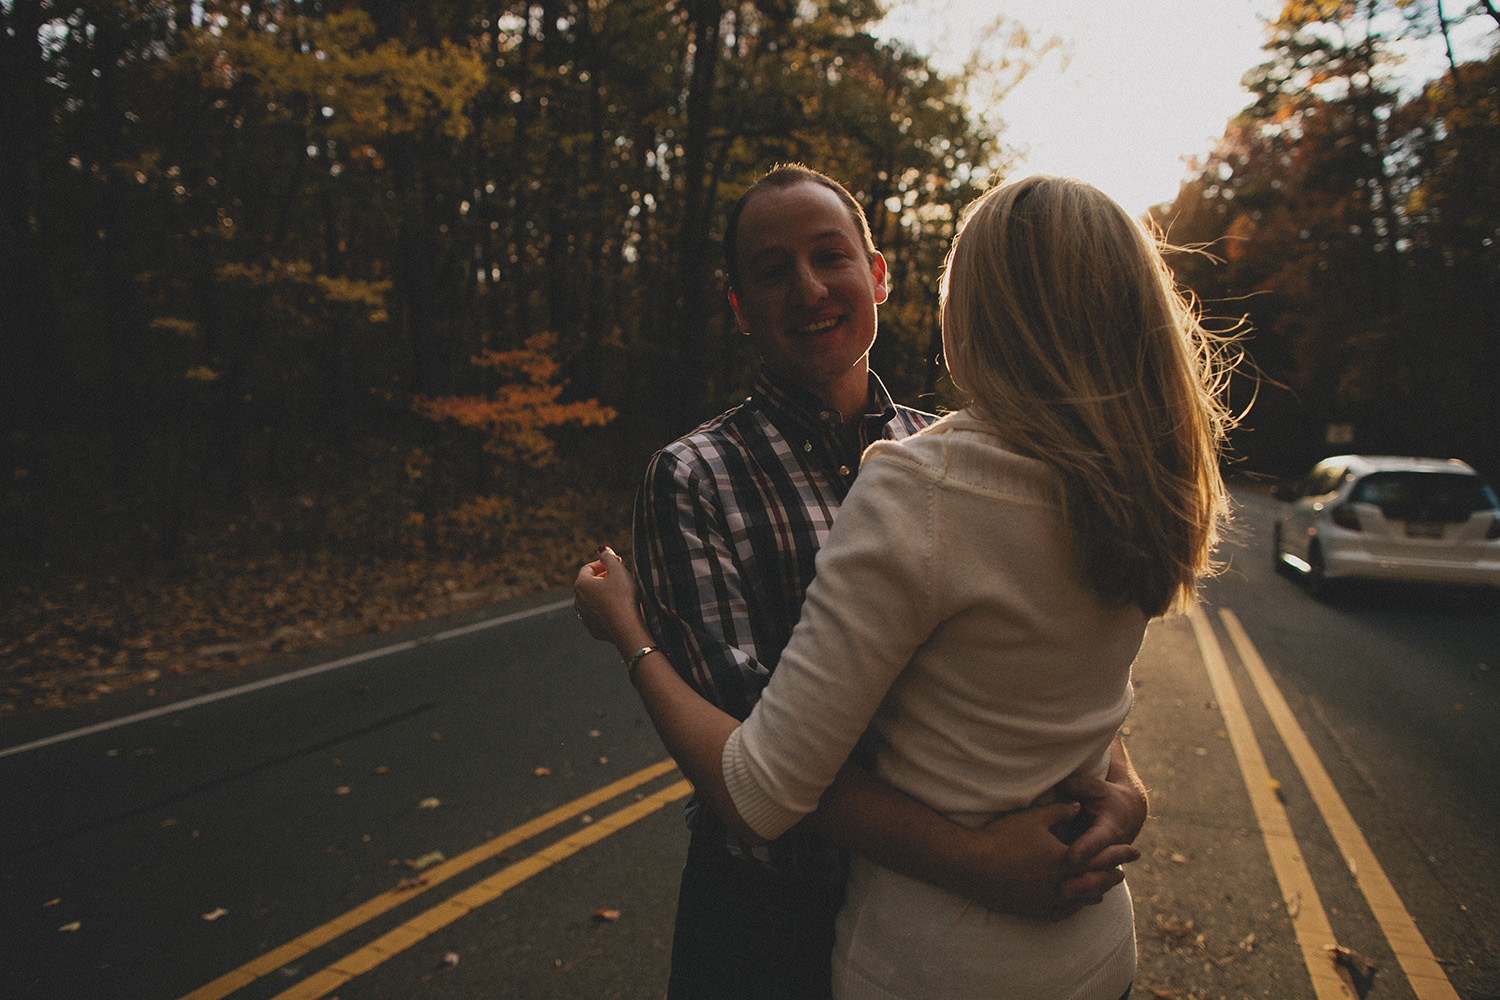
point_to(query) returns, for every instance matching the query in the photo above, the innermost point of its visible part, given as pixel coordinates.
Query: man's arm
(1015, 864)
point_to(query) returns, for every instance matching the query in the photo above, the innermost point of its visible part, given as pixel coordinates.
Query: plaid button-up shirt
(727, 526)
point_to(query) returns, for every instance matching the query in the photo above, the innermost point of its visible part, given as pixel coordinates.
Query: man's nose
(809, 285)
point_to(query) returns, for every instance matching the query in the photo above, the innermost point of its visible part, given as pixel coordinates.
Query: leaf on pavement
(426, 861)
(69, 928)
(215, 914)
(1361, 969)
(451, 958)
(542, 772)
(411, 882)
(342, 790)
(606, 915)
(429, 803)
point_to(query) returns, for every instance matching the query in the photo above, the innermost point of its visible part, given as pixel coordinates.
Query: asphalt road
(480, 809)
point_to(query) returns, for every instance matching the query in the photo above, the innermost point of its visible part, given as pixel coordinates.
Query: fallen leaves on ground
(1361, 969)
(71, 636)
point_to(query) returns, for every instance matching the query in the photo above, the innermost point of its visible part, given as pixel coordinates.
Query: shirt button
(807, 446)
(844, 470)
(826, 415)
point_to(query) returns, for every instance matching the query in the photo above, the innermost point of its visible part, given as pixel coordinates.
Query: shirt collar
(806, 410)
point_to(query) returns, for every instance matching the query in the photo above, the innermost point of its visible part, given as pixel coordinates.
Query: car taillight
(1344, 516)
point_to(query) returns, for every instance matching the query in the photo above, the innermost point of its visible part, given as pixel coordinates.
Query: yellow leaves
(353, 291)
(370, 90)
(184, 328)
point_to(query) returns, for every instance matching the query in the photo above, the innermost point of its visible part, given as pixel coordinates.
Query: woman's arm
(1014, 865)
(693, 730)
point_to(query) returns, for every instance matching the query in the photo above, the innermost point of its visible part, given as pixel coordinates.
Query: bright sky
(1142, 86)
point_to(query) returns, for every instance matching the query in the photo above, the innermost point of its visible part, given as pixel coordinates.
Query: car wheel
(1318, 583)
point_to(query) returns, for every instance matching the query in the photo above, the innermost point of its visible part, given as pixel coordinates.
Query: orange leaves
(516, 415)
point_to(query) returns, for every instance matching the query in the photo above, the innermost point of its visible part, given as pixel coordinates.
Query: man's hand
(1016, 864)
(1114, 810)
(1115, 815)
(1030, 872)
(1022, 862)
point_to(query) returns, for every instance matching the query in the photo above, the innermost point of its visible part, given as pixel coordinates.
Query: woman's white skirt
(900, 939)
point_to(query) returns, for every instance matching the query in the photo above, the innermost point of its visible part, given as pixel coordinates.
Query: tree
(1319, 201)
(245, 236)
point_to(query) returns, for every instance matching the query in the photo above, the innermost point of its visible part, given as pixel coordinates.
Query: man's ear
(734, 303)
(882, 278)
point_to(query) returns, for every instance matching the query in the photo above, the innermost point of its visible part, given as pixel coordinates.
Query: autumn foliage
(514, 418)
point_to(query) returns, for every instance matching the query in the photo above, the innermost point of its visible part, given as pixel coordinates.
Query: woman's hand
(604, 597)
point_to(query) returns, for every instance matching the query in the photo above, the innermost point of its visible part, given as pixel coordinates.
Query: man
(727, 527)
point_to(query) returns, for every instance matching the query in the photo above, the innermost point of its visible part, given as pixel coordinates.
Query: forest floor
(72, 635)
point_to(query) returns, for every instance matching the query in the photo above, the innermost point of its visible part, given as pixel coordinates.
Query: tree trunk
(695, 244)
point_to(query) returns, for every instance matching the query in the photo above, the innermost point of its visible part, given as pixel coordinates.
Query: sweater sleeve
(869, 607)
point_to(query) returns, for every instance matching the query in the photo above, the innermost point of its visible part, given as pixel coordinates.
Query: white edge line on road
(317, 668)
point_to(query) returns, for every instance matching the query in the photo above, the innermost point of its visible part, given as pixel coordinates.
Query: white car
(1391, 518)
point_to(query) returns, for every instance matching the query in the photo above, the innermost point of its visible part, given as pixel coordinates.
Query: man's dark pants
(745, 933)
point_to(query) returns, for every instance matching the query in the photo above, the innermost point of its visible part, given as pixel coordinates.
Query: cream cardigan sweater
(947, 620)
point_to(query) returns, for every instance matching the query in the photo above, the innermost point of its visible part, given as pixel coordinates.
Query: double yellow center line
(1313, 930)
(423, 924)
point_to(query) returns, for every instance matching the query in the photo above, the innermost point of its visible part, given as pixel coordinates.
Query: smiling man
(727, 527)
(805, 281)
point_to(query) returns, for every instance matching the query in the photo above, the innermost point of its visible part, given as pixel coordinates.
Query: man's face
(808, 291)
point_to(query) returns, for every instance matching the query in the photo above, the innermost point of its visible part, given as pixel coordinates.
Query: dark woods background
(329, 284)
(252, 251)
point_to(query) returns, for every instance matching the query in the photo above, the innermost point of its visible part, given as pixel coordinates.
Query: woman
(1028, 539)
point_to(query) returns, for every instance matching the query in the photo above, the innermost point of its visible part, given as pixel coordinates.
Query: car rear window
(1424, 496)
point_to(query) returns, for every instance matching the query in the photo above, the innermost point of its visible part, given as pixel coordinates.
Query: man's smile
(817, 327)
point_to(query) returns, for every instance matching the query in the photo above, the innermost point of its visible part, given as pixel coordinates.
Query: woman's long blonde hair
(1062, 324)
